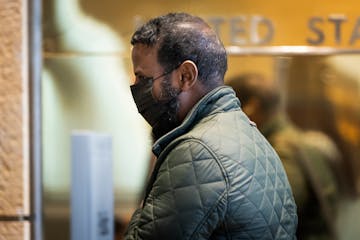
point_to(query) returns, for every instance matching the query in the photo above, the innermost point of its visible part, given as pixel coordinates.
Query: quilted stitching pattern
(217, 182)
(260, 199)
(185, 192)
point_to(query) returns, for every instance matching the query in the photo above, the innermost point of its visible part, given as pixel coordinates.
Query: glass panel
(320, 94)
(85, 86)
(323, 93)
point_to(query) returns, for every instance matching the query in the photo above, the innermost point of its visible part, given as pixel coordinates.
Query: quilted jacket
(216, 177)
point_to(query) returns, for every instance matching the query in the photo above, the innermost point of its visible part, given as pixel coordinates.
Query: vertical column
(14, 122)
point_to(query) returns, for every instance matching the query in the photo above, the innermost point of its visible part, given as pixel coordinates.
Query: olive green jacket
(216, 177)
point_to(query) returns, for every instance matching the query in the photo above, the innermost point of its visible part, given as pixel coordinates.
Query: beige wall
(14, 122)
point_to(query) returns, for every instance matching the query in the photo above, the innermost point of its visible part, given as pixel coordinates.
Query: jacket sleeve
(187, 199)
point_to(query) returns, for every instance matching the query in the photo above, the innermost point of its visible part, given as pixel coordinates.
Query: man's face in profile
(147, 68)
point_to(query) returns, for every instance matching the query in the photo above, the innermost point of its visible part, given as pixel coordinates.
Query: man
(306, 155)
(215, 177)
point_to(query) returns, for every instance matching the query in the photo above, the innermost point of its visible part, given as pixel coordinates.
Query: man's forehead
(143, 50)
(144, 59)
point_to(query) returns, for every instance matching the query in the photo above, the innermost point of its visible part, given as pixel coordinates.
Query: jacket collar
(220, 99)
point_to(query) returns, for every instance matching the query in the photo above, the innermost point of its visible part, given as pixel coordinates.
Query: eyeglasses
(148, 79)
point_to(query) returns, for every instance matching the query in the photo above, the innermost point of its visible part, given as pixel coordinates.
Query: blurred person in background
(215, 175)
(309, 157)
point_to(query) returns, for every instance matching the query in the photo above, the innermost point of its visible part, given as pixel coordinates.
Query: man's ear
(188, 75)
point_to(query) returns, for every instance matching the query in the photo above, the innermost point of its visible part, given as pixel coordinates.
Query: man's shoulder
(221, 124)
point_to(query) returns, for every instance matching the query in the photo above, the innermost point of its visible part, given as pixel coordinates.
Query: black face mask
(161, 115)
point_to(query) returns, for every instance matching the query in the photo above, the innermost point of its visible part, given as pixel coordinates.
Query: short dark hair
(249, 85)
(180, 37)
